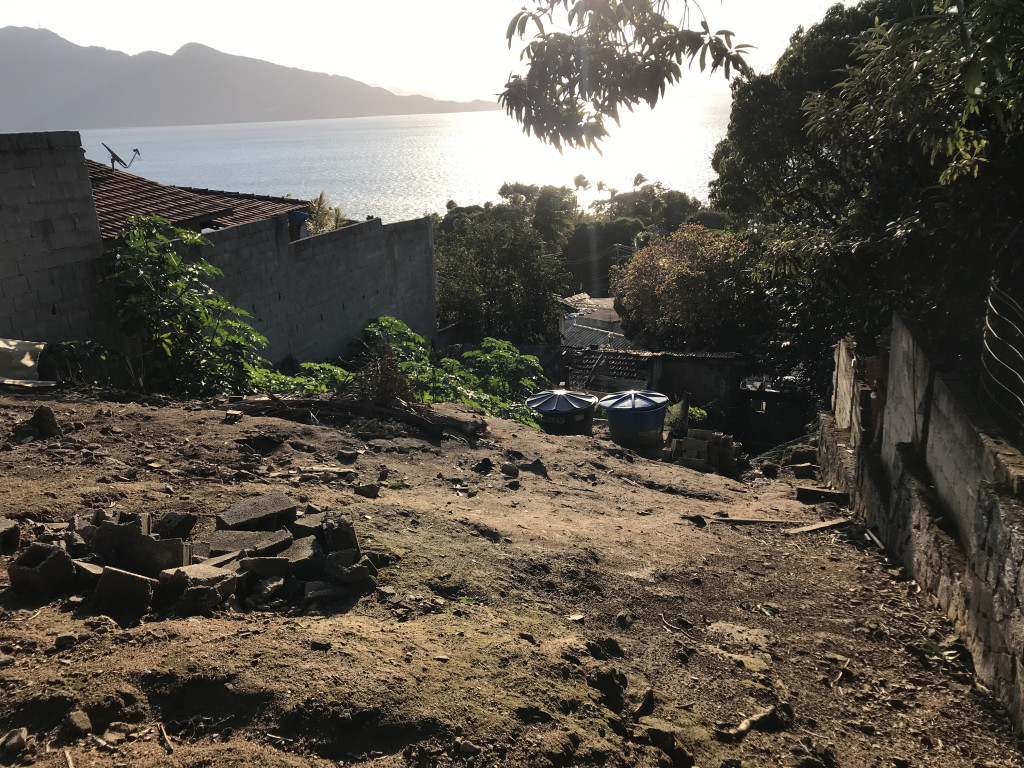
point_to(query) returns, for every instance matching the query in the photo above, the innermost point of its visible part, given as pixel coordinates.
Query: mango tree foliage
(494, 274)
(681, 292)
(614, 54)
(947, 78)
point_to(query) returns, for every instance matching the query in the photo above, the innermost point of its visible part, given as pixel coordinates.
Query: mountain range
(48, 83)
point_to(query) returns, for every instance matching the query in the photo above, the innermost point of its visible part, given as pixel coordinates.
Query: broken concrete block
(175, 581)
(15, 741)
(307, 525)
(337, 531)
(42, 570)
(229, 560)
(87, 575)
(141, 520)
(199, 599)
(266, 566)
(258, 543)
(305, 558)
(336, 562)
(123, 594)
(126, 547)
(175, 525)
(10, 536)
(259, 513)
(322, 590)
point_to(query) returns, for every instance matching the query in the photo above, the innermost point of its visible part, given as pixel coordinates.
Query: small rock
(469, 749)
(65, 640)
(369, 491)
(624, 619)
(77, 723)
(484, 467)
(15, 741)
(319, 645)
(576, 618)
(5, 660)
(510, 470)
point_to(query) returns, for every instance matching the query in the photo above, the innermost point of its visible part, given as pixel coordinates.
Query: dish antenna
(115, 158)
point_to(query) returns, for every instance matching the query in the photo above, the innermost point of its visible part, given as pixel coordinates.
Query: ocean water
(403, 167)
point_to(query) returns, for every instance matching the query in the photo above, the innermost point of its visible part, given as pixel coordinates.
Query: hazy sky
(453, 49)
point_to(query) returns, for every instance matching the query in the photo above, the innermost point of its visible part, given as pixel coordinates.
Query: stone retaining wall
(943, 491)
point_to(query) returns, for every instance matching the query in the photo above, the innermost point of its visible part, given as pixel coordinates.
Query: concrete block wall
(312, 298)
(50, 245)
(944, 492)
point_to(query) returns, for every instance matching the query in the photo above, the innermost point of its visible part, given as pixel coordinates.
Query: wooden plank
(819, 526)
(752, 521)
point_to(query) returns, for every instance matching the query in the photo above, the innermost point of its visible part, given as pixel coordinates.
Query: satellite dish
(115, 158)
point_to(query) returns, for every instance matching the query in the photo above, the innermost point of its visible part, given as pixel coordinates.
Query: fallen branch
(166, 739)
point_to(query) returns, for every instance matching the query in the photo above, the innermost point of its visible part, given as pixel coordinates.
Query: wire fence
(1002, 362)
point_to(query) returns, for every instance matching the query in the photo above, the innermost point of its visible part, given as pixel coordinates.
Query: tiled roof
(118, 195)
(246, 207)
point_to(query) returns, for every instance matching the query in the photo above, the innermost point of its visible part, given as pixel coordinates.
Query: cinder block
(10, 536)
(123, 594)
(259, 543)
(259, 513)
(43, 571)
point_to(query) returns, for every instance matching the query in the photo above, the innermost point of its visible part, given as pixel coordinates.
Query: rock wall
(943, 490)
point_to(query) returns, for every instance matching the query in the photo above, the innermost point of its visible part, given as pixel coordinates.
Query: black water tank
(560, 412)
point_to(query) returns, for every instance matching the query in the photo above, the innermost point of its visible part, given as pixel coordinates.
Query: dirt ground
(587, 617)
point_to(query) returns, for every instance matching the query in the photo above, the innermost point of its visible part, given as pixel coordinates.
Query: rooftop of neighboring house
(118, 195)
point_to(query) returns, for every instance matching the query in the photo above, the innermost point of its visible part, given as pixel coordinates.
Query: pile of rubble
(264, 553)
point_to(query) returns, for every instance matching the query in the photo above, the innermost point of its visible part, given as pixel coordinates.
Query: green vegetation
(183, 338)
(496, 377)
(686, 291)
(614, 54)
(189, 340)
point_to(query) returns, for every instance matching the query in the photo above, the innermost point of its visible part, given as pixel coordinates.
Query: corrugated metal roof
(582, 336)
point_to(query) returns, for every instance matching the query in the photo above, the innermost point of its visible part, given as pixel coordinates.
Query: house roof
(248, 207)
(581, 336)
(118, 195)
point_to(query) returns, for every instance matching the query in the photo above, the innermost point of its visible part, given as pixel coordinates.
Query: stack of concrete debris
(263, 553)
(707, 451)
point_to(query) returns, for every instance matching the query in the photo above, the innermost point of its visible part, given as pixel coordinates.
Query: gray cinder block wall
(944, 490)
(310, 297)
(50, 245)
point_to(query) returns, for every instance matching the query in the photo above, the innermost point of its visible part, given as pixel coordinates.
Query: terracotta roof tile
(118, 195)
(247, 207)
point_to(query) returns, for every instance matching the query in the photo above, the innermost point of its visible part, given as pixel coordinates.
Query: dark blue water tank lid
(560, 401)
(634, 400)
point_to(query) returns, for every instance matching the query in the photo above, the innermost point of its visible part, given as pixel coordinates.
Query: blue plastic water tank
(636, 417)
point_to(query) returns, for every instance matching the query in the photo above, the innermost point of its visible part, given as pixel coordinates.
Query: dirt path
(577, 614)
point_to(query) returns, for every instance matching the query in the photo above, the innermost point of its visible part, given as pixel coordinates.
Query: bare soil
(587, 617)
